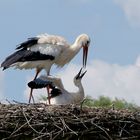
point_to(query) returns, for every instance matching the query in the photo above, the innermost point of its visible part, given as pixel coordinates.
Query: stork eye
(87, 42)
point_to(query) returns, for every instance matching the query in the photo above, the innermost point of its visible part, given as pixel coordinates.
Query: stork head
(83, 41)
(79, 76)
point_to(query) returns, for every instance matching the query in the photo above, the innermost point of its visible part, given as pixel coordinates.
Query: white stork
(42, 51)
(59, 95)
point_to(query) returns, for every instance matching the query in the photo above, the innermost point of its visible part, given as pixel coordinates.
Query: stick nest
(39, 121)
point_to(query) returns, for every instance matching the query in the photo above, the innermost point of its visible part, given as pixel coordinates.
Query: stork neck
(77, 44)
(80, 88)
(75, 48)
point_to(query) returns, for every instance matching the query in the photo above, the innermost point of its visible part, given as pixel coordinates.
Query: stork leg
(31, 96)
(31, 91)
(48, 90)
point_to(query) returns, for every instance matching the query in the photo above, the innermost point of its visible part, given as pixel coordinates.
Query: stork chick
(59, 95)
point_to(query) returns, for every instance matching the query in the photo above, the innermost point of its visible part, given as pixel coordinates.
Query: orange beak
(85, 53)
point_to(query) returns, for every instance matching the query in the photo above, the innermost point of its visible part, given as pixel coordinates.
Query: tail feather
(25, 55)
(13, 58)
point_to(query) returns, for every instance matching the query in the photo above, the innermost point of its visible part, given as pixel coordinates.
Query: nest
(40, 121)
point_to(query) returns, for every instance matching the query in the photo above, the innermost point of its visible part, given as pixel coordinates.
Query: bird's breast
(64, 58)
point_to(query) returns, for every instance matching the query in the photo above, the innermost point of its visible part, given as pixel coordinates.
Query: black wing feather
(30, 42)
(25, 55)
(39, 83)
(55, 92)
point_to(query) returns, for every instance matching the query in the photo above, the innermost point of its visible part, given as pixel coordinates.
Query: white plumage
(42, 51)
(61, 95)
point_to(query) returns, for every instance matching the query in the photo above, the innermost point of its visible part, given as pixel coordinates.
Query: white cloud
(131, 9)
(1, 86)
(111, 80)
(102, 78)
(138, 62)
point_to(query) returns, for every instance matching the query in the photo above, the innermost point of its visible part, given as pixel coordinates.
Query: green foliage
(103, 101)
(107, 102)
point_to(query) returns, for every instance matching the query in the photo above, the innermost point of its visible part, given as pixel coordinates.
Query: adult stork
(42, 51)
(59, 95)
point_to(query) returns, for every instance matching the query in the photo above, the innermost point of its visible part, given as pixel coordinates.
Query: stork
(44, 50)
(59, 95)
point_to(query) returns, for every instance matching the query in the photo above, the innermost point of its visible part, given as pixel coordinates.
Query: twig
(129, 138)
(81, 105)
(17, 102)
(12, 136)
(51, 122)
(57, 126)
(66, 126)
(29, 124)
(102, 130)
(122, 129)
(80, 121)
(8, 101)
(20, 127)
(41, 136)
(57, 134)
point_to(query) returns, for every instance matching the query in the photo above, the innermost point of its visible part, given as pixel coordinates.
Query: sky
(113, 67)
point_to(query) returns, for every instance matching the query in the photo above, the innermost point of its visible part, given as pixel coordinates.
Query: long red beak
(85, 54)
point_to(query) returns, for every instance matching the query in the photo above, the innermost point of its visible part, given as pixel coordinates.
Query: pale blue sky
(114, 37)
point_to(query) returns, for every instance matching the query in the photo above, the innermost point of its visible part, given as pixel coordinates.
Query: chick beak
(78, 75)
(85, 53)
(83, 74)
